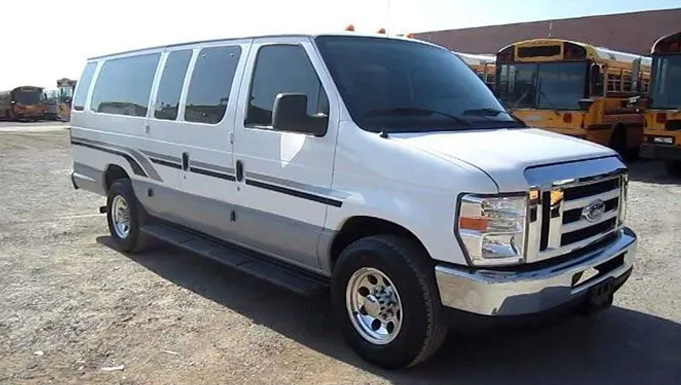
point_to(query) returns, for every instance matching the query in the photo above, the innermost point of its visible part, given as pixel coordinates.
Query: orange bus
(23, 103)
(576, 89)
(662, 136)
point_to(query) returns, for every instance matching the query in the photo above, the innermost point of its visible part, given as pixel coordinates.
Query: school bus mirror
(585, 104)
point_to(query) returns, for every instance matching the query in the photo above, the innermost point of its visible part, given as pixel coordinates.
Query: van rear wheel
(386, 300)
(125, 217)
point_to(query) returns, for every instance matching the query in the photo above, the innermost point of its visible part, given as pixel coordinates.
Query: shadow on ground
(618, 346)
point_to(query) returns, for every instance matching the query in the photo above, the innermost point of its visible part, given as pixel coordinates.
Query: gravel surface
(70, 306)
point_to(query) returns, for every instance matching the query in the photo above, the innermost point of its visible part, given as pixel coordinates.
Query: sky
(49, 39)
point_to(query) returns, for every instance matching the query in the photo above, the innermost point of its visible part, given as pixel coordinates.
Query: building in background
(629, 32)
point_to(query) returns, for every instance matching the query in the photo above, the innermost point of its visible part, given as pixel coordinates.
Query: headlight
(492, 229)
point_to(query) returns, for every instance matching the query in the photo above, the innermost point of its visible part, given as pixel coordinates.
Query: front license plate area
(600, 295)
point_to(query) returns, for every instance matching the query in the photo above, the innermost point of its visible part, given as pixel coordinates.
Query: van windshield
(406, 86)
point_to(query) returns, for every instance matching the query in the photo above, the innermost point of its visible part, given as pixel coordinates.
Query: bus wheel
(618, 141)
(673, 167)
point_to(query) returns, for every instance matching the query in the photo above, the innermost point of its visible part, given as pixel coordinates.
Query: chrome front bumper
(490, 292)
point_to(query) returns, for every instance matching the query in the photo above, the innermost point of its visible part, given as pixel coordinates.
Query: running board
(277, 273)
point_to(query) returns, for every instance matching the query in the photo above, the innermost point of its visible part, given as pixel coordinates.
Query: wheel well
(359, 227)
(618, 131)
(114, 172)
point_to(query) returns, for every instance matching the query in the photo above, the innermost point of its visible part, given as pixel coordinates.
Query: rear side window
(168, 97)
(211, 84)
(283, 69)
(124, 85)
(84, 86)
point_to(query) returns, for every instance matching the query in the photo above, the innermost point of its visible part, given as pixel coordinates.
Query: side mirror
(585, 104)
(290, 114)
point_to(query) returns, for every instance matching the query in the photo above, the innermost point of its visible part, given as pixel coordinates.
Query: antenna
(550, 28)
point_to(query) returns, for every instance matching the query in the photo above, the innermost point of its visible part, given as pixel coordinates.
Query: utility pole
(388, 28)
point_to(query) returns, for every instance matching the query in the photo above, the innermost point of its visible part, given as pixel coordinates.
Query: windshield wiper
(490, 112)
(483, 112)
(415, 111)
(520, 100)
(548, 101)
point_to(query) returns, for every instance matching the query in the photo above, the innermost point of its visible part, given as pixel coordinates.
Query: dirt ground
(71, 306)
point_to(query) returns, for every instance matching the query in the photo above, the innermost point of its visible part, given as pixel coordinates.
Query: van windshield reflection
(407, 86)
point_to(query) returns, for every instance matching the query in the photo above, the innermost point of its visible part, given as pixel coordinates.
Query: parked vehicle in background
(483, 65)
(381, 168)
(66, 87)
(576, 89)
(51, 104)
(22, 103)
(662, 138)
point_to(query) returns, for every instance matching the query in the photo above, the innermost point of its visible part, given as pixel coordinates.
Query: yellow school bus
(576, 89)
(483, 65)
(662, 136)
(65, 88)
(23, 103)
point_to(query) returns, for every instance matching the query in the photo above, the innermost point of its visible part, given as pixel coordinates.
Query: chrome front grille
(570, 213)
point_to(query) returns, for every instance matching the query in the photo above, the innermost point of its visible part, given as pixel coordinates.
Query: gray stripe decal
(146, 164)
(162, 156)
(300, 186)
(208, 166)
(141, 159)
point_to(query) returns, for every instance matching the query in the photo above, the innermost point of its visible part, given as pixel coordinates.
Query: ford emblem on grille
(594, 211)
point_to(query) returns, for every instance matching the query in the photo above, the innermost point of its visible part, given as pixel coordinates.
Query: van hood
(504, 154)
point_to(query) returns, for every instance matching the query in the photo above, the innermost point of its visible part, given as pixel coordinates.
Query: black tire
(410, 269)
(618, 142)
(673, 168)
(135, 241)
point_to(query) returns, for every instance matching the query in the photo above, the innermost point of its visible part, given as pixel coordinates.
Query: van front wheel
(385, 298)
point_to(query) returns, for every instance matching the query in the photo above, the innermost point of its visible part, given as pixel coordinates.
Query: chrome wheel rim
(374, 305)
(120, 216)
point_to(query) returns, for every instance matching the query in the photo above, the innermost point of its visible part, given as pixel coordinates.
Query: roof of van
(308, 35)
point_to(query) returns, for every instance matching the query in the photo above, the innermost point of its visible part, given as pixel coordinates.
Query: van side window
(84, 86)
(283, 69)
(170, 88)
(124, 85)
(211, 84)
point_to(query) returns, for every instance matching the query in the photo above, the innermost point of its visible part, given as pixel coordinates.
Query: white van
(381, 168)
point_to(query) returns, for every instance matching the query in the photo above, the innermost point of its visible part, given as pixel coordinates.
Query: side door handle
(239, 171)
(185, 161)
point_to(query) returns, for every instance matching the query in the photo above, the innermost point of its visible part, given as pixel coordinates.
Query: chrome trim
(555, 180)
(584, 223)
(582, 202)
(552, 253)
(623, 200)
(490, 292)
(556, 223)
(566, 174)
(533, 228)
